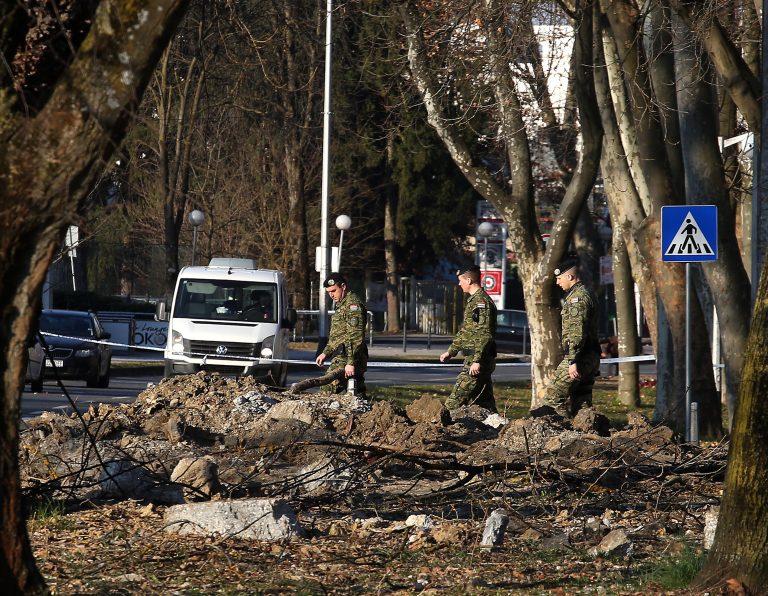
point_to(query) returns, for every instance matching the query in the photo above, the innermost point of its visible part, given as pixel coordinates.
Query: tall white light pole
(343, 222)
(325, 247)
(196, 218)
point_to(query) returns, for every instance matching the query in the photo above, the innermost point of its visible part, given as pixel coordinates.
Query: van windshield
(226, 299)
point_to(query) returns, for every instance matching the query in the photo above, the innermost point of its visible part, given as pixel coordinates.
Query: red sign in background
(492, 282)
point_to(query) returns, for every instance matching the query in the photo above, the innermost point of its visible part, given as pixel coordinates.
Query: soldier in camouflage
(570, 388)
(346, 340)
(476, 341)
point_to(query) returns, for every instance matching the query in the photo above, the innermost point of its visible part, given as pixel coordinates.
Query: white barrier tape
(101, 342)
(646, 358)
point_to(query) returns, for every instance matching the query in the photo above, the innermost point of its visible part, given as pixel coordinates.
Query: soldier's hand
(349, 370)
(445, 356)
(320, 359)
(474, 369)
(573, 372)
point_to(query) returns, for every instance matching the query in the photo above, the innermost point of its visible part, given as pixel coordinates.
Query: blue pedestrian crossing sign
(689, 233)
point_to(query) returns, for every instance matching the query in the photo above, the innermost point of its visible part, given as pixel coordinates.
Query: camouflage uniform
(475, 340)
(581, 346)
(346, 343)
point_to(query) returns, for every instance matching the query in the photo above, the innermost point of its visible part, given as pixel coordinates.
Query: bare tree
(64, 105)
(475, 76)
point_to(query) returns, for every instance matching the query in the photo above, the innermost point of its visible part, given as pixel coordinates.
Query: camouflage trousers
(470, 390)
(339, 384)
(567, 395)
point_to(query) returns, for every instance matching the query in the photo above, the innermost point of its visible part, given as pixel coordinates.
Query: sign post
(688, 235)
(491, 235)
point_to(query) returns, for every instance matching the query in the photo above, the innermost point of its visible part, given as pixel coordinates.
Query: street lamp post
(325, 247)
(485, 230)
(196, 218)
(343, 222)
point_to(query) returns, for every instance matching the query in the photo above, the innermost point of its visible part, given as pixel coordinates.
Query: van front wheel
(168, 369)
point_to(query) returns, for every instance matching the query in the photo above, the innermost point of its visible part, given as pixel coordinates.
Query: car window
(70, 325)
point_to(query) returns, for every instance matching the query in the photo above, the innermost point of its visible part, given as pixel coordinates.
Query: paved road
(124, 387)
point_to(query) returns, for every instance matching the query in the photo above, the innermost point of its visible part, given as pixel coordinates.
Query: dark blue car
(72, 351)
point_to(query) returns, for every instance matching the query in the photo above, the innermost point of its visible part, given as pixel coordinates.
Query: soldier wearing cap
(346, 339)
(571, 386)
(476, 341)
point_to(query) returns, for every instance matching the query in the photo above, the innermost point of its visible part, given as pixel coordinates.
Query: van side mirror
(161, 311)
(290, 318)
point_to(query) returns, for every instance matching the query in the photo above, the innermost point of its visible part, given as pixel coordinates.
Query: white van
(229, 317)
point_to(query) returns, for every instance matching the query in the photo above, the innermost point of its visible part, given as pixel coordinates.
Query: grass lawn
(514, 398)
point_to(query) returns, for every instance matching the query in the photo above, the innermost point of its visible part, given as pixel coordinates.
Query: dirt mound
(269, 443)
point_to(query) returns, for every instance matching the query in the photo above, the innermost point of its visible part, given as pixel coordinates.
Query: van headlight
(267, 347)
(177, 342)
(84, 353)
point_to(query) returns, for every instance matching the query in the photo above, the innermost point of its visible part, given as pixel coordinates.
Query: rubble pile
(368, 468)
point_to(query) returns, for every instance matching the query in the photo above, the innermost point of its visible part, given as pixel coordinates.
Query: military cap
(570, 261)
(333, 279)
(468, 269)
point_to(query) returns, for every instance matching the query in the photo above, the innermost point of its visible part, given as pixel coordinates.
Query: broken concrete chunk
(615, 544)
(128, 480)
(199, 476)
(495, 420)
(421, 521)
(255, 519)
(323, 476)
(495, 526)
(293, 410)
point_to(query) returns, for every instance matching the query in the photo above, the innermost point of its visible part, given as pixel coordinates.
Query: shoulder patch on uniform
(575, 299)
(353, 307)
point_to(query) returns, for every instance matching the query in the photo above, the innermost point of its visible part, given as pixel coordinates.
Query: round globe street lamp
(196, 218)
(485, 230)
(343, 222)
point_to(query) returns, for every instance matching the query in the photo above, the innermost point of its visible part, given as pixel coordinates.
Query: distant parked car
(35, 365)
(512, 333)
(70, 335)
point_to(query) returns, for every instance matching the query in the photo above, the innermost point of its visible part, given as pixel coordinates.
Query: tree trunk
(644, 144)
(390, 245)
(22, 276)
(298, 272)
(623, 285)
(705, 183)
(49, 163)
(740, 550)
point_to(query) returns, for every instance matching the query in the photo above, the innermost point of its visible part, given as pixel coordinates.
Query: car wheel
(92, 380)
(104, 379)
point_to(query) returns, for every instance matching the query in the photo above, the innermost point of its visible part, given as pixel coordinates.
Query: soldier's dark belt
(468, 352)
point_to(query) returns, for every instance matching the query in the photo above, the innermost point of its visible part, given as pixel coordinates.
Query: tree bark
(705, 183)
(743, 86)
(629, 389)
(644, 144)
(390, 246)
(740, 550)
(49, 162)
